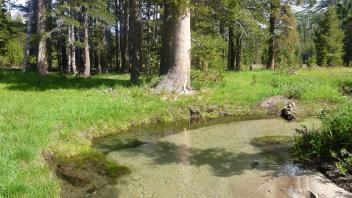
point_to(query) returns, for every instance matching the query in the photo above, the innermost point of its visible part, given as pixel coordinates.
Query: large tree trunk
(42, 61)
(86, 47)
(271, 51)
(27, 46)
(136, 44)
(231, 51)
(178, 77)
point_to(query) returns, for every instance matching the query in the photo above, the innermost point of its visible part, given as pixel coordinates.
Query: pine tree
(348, 42)
(4, 27)
(279, 11)
(345, 13)
(329, 39)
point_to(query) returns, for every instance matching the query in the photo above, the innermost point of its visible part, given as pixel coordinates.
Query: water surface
(214, 161)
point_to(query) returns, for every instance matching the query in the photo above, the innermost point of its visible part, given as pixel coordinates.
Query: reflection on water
(215, 161)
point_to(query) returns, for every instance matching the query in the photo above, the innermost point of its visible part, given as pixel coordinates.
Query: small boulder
(288, 113)
(194, 114)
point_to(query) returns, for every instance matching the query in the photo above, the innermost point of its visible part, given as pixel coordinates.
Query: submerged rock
(290, 169)
(272, 143)
(120, 144)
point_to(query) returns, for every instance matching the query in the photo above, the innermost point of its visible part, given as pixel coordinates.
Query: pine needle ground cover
(62, 114)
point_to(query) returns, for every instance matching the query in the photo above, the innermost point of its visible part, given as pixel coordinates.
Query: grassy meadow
(62, 114)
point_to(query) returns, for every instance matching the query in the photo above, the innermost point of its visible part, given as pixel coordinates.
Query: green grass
(62, 114)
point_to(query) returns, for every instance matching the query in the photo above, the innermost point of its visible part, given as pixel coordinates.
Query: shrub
(332, 142)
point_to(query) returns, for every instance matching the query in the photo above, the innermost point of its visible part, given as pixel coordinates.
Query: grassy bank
(61, 114)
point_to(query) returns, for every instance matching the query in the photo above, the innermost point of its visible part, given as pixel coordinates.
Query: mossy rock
(120, 144)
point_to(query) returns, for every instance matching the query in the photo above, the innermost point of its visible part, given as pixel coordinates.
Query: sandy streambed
(220, 161)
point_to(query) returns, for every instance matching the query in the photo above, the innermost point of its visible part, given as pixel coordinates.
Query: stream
(224, 160)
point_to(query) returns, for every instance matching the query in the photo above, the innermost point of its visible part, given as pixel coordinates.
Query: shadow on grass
(17, 80)
(222, 163)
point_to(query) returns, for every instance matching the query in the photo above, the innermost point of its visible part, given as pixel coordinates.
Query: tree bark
(86, 47)
(178, 77)
(136, 44)
(42, 61)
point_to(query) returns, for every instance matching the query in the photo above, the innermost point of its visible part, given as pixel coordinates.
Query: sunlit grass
(61, 113)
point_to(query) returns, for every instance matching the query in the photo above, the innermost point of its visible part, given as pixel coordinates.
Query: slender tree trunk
(42, 61)
(136, 45)
(59, 57)
(117, 34)
(231, 51)
(73, 51)
(98, 61)
(86, 47)
(149, 38)
(69, 50)
(105, 57)
(122, 34)
(48, 40)
(271, 51)
(166, 48)
(64, 55)
(156, 26)
(238, 51)
(125, 62)
(27, 46)
(178, 77)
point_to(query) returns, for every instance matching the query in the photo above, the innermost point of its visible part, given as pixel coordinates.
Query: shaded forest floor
(59, 115)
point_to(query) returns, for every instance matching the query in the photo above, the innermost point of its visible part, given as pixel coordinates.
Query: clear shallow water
(215, 161)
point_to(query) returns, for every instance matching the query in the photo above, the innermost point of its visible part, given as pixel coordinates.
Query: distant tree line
(326, 34)
(166, 37)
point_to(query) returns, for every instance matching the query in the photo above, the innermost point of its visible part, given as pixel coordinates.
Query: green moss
(115, 170)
